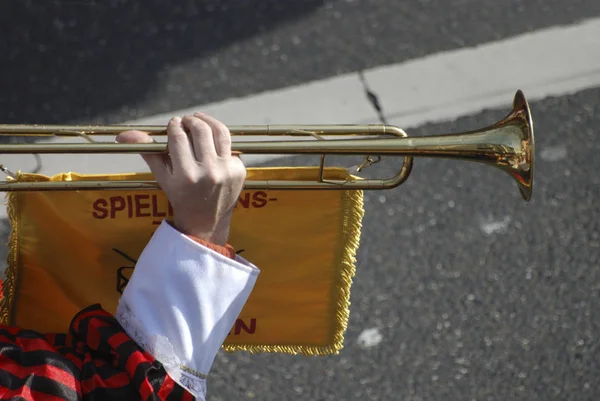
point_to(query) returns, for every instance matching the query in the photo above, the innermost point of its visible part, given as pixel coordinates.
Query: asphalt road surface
(468, 292)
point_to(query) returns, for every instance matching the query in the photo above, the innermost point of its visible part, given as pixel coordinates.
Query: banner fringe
(10, 281)
(353, 204)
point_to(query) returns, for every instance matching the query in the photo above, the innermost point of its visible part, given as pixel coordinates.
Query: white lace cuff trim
(162, 350)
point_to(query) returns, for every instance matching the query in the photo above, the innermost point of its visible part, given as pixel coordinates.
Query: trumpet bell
(522, 171)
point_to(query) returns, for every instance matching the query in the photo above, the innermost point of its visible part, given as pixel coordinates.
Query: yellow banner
(71, 249)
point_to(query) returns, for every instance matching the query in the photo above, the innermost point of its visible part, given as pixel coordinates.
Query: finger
(239, 163)
(180, 148)
(201, 136)
(221, 134)
(158, 163)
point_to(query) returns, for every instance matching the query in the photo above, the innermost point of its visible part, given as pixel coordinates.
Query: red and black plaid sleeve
(96, 360)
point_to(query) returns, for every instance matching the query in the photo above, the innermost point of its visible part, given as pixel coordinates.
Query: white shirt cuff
(181, 302)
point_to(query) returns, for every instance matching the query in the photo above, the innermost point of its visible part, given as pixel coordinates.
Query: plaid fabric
(94, 361)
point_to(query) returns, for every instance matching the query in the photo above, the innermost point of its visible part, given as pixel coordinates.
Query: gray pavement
(467, 310)
(476, 294)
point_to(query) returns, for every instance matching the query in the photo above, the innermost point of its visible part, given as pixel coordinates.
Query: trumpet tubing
(507, 145)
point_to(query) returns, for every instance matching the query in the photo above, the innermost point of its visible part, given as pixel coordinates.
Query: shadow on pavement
(88, 58)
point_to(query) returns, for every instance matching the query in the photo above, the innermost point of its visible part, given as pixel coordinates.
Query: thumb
(157, 162)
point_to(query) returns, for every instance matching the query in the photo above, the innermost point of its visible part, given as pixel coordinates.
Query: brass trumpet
(507, 145)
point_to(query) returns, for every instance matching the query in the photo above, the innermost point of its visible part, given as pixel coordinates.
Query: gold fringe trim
(9, 284)
(353, 206)
(10, 281)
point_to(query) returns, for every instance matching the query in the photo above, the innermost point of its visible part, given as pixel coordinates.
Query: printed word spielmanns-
(145, 205)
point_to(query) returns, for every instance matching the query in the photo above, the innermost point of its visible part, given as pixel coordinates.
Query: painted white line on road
(443, 86)
(336, 100)
(550, 62)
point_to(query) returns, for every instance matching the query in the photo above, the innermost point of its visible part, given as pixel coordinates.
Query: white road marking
(548, 62)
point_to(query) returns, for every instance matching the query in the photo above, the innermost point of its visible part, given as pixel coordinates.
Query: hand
(200, 176)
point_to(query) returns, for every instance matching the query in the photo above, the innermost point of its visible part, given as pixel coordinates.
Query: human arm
(183, 296)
